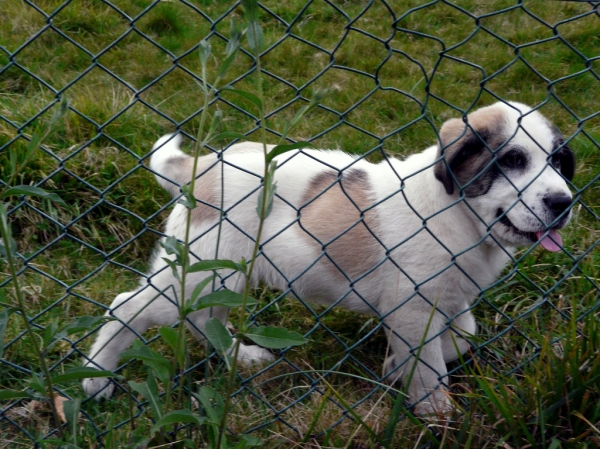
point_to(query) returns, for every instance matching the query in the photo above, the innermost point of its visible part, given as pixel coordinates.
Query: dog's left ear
(565, 156)
(463, 148)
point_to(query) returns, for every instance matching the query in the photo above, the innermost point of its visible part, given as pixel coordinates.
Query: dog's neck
(433, 211)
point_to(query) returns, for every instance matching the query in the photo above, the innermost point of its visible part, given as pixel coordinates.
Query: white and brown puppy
(411, 241)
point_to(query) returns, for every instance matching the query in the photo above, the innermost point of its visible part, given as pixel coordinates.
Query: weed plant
(396, 72)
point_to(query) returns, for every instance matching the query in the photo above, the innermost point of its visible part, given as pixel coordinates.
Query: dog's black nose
(558, 203)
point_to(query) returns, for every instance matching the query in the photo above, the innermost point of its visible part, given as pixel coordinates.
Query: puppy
(411, 241)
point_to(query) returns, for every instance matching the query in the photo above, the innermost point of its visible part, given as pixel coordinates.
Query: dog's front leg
(454, 343)
(418, 360)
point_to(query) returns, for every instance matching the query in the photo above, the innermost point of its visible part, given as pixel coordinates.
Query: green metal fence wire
(342, 52)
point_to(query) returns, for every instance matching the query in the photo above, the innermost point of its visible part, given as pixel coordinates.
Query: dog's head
(511, 166)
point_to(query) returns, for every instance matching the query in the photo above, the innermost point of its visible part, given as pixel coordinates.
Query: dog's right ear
(458, 144)
(464, 148)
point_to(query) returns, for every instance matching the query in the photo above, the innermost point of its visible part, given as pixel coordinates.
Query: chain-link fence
(396, 71)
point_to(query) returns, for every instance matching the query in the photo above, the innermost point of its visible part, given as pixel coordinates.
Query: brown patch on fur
(332, 215)
(465, 153)
(206, 191)
(206, 186)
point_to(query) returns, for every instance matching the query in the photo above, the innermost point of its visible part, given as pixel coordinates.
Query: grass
(534, 380)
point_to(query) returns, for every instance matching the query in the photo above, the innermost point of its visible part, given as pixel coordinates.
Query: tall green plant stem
(200, 143)
(255, 251)
(21, 304)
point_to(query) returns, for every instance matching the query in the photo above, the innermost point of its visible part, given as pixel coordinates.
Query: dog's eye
(555, 161)
(513, 159)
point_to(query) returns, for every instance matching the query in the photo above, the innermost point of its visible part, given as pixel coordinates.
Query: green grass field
(396, 70)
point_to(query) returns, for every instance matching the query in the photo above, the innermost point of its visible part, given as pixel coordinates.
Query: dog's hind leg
(133, 313)
(154, 305)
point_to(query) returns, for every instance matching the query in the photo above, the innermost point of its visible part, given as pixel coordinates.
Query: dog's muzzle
(557, 204)
(548, 237)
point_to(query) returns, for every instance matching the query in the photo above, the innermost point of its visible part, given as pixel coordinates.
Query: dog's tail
(170, 165)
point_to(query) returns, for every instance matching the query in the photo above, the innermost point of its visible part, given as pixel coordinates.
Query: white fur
(422, 292)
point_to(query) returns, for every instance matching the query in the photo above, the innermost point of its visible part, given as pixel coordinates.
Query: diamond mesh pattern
(408, 70)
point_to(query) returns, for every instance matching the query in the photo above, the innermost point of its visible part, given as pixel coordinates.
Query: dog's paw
(98, 387)
(435, 406)
(254, 355)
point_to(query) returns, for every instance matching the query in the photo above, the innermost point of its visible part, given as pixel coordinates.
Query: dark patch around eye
(562, 158)
(514, 159)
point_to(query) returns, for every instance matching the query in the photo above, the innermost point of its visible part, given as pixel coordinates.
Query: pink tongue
(552, 242)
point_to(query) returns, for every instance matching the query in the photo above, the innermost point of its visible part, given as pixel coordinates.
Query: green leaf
(71, 409)
(81, 324)
(153, 388)
(227, 135)
(317, 96)
(4, 317)
(162, 367)
(270, 193)
(393, 419)
(172, 246)
(235, 35)
(173, 266)
(270, 189)
(215, 264)
(12, 245)
(222, 298)
(187, 199)
(150, 393)
(31, 191)
(253, 31)
(64, 105)
(218, 335)
(243, 264)
(226, 64)
(36, 383)
(6, 395)
(250, 10)
(33, 145)
(555, 444)
(284, 148)
(3, 213)
(254, 35)
(216, 122)
(85, 323)
(204, 51)
(247, 95)
(50, 331)
(199, 288)
(170, 336)
(81, 372)
(176, 417)
(58, 114)
(248, 441)
(274, 337)
(212, 403)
